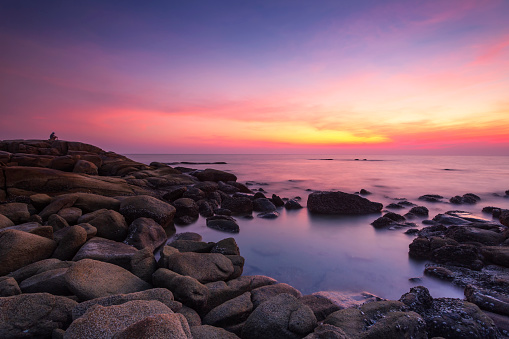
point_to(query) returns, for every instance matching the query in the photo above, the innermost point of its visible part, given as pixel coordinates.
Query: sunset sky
(273, 76)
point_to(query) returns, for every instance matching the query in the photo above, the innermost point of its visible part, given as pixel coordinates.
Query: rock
(174, 194)
(145, 233)
(468, 198)
(412, 231)
(261, 294)
(106, 250)
(504, 217)
(70, 244)
(382, 222)
(223, 223)
(17, 212)
(9, 287)
(380, 319)
(210, 174)
(449, 318)
(110, 224)
(431, 197)
(205, 267)
(39, 267)
(71, 215)
(347, 299)
(5, 222)
(34, 315)
(320, 306)
(461, 255)
(439, 272)
(162, 295)
(186, 289)
(283, 316)
(488, 300)
(466, 234)
(33, 228)
(420, 211)
(263, 205)
(188, 236)
(149, 207)
(238, 265)
(106, 322)
(192, 246)
(90, 279)
(85, 167)
(232, 312)
(89, 202)
(63, 163)
(186, 208)
(205, 208)
(18, 249)
(268, 215)
(143, 264)
(420, 248)
(226, 188)
(341, 203)
(57, 222)
(501, 321)
(325, 331)
(238, 205)
(226, 246)
(292, 205)
(194, 193)
(40, 201)
(277, 201)
(499, 255)
(52, 281)
(211, 332)
(193, 318)
(57, 204)
(157, 326)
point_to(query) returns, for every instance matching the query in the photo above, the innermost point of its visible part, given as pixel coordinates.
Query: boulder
(106, 250)
(226, 188)
(320, 305)
(187, 211)
(5, 222)
(205, 208)
(188, 236)
(261, 294)
(17, 212)
(326, 331)
(205, 267)
(149, 207)
(283, 316)
(194, 193)
(458, 255)
(162, 295)
(85, 167)
(56, 204)
(63, 163)
(238, 265)
(468, 198)
(467, 234)
(341, 203)
(9, 287)
(193, 318)
(157, 326)
(448, 317)
(498, 255)
(238, 205)
(293, 205)
(89, 202)
(211, 332)
(39, 267)
(57, 222)
(90, 279)
(439, 272)
(488, 299)
(105, 322)
(230, 313)
(143, 264)
(145, 233)
(223, 223)
(431, 197)
(186, 289)
(192, 246)
(70, 244)
(110, 224)
(33, 228)
(174, 194)
(210, 174)
(18, 249)
(263, 205)
(52, 281)
(34, 315)
(70, 215)
(504, 217)
(226, 246)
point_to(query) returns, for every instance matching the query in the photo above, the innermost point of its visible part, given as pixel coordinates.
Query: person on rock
(53, 136)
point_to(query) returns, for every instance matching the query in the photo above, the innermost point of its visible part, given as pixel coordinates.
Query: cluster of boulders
(85, 254)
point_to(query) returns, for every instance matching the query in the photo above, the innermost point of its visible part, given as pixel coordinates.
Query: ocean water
(337, 253)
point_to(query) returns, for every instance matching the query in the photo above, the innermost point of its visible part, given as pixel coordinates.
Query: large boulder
(205, 267)
(211, 332)
(158, 326)
(145, 233)
(90, 279)
(230, 313)
(9, 287)
(52, 281)
(110, 224)
(341, 203)
(71, 242)
(223, 223)
(34, 315)
(18, 248)
(149, 207)
(56, 204)
(261, 294)
(17, 212)
(39, 267)
(210, 174)
(106, 250)
(5, 222)
(105, 322)
(238, 205)
(89, 202)
(85, 167)
(281, 317)
(504, 217)
(70, 214)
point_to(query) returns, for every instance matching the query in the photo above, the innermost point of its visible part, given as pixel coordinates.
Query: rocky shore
(89, 249)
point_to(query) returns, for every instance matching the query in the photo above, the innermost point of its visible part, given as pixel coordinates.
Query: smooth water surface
(322, 253)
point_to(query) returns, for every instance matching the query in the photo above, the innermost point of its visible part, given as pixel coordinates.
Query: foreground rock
(341, 203)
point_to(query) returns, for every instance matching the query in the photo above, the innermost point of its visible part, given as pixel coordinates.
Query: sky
(275, 76)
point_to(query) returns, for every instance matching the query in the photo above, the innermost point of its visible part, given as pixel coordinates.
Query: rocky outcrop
(341, 203)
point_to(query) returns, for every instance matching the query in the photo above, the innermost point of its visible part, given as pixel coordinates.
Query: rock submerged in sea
(341, 203)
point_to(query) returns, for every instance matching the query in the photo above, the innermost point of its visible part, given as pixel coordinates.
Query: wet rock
(292, 205)
(439, 272)
(468, 198)
(341, 203)
(17, 212)
(223, 223)
(194, 193)
(106, 322)
(90, 279)
(238, 205)
(382, 222)
(222, 211)
(109, 224)
(346, 299)
(228, 189)
(88, 202)
(488, 300)
(412, 231)
(394, 206)
(263, 205)
(146, 206)
(261, 294)
(34, 315)
(431, 198)
(419, 211)
(9, 287)
(18, 249)
(466, 234)
(210, 174)
(420, 248)
(162, 295)
(449, 318)
(145, 233)
(106, 250)
(277, 201)
(461, 255)
(187, 236)
(498, 255)
(283, 316)
(320, 305)
(192, 246)
(186, 289)
(325, 331)
(158, 326)
(71, 242)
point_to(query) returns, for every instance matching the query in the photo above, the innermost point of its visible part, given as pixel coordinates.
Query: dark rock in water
(239, 205)
(228, 189)
(223, 211)
(187, 236)
(341, 203)
(415, 280)
(467, 234)
(468, 198)
(277, 201)
(395, 217)
(205, 208)
(241, 187)
(504, 217)
(223, 223)
(420, 211)
(448, 317)
(268, 215)
(175, 194)
(259, 195)
(494, 211)
(439, 272)
(460, 255)
(382, 222)
(292, 205)
(488, 299)
(263, 205)
(412, 231)
(420, 248)
(226, 246)
(431, 197)
(498, 255)
(185, 208)
(394, 206)
(364, 192)
(210, 174)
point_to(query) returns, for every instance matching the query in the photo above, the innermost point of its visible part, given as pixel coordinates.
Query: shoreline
(58, 187)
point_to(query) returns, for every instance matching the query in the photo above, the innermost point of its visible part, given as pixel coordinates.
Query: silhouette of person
(53, 136)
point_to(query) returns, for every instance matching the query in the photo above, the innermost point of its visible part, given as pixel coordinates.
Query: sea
(346, 253)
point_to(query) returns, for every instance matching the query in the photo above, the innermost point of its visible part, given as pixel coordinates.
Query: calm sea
(333, 253)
